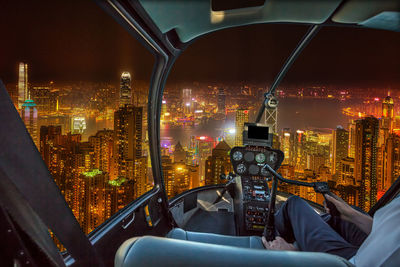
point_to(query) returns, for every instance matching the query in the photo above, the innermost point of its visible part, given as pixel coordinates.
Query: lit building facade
(128, 127)
(340, 146)
(187, 101)
(218, 163)
(388, 113)
(241, 117)
(366, 160)
(221, 100)
(22, 84)
(125, 91)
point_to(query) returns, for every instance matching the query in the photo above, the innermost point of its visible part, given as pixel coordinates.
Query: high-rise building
(221, 100)
(168, 175)
(179, 154)
(391, 162)
(287, 146)
(346, 174)
(48, 137)
(22, 84)
(340, 148)
(140, 176)
(352, 139)
(366, 160)
(388, 113)
(241, 116)
(29, 116)
(187, 101)
(125, 91)
(218, 163)
(128, 123)
(78, 125)
(103, 144)
(300, 160)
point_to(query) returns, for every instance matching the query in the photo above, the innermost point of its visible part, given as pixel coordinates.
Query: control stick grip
(323, 188)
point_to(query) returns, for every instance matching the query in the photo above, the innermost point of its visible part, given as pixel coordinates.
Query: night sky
(77, 40)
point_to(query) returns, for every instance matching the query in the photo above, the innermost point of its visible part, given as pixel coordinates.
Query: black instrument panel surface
(250, 160)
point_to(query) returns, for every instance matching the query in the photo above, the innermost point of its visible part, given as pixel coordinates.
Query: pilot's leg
(297, 221)
(349, 231)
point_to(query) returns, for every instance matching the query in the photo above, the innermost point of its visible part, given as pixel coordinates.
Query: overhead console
(249, 163)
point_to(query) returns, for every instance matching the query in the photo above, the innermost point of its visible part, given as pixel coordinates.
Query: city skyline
(100, 170)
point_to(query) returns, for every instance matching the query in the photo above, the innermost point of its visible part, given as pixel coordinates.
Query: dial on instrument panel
(265, 172)
(272, 158)
(249, 156)
(254, 169)
(260, 157)
(237, 156)
(241, 168)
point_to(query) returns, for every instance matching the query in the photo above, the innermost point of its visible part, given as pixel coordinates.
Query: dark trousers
(297, 221)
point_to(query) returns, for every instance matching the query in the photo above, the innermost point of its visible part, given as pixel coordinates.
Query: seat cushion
(166, 252)
(235, 241)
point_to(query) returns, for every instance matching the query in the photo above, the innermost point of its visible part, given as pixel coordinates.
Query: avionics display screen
(257, 132)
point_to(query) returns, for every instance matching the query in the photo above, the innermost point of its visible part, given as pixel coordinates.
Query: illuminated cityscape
(94, 140)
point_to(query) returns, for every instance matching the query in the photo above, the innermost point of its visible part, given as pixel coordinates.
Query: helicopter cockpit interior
(219, 224)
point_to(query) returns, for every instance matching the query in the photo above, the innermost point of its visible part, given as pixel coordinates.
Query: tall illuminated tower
(241, 116)
(340, 148)
(287, 146)
(128, 124)
(125, 91)
(388, 113)
(22, 84)
(218, 163)
(366, 160)
(29, 116)
(187, 101)
(221, 100)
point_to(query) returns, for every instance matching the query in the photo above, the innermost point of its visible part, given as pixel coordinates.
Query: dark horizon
(77, 41)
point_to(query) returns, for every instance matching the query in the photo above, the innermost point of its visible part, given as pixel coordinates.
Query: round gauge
(241, 168)
(272, 158)
(254, 169)
(260, 157)
(249, 156)
(237, 156)
(265, 172)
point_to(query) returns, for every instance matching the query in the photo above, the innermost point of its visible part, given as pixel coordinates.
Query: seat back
(158, 251)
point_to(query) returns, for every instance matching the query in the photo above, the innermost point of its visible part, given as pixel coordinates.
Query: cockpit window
(337, 118)
(80, 83)
(213, 89)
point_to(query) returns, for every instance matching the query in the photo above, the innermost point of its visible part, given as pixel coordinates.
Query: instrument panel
(250, 161)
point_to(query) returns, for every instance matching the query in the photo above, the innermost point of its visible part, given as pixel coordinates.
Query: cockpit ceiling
(193, 18)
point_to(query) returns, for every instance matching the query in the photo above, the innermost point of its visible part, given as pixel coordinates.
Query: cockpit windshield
(338, 97)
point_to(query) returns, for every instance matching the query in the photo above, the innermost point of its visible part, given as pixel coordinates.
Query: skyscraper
(388, 113)
(48, 137)
(221, 100)
(287, 146)
(103, 143)
(391, 162)
(187, 101)
(241, 116)
(128, 123)
(22, 84)
(125, 91)
(352, 139)
(218, 163)
(339, 148)
(29, 116)
(366, 160)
